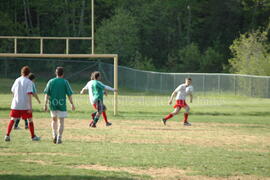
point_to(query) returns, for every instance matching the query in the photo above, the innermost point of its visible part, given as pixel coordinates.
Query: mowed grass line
(229, 138)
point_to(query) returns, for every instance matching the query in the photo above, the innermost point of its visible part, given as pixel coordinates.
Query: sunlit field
(229, 139)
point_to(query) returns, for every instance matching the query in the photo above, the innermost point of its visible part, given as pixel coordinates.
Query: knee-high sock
(17, 121)
(10, 125)
(54, 128)
(168, 116)
(31, 128)
(105, 116)
(185, 117)
(26, 122)
(60, 128)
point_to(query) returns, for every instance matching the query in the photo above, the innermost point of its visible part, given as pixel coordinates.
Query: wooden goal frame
(41, 53)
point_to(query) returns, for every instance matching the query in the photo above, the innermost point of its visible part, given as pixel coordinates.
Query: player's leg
(28, 115)
(104, 115)
(26, 123)
(187, 109)
(93, 115)
(54, 126)
(14, 114)
(60, 130)
(170, 115)
(100, 109)
(16, 123)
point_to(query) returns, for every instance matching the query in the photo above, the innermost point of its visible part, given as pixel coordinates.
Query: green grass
(229, 137)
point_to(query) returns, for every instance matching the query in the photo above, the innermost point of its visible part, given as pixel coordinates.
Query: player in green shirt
(98, 92)
(55, 92)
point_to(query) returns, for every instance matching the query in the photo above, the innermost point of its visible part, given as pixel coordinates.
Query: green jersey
(34, 88)
(58, 89)
(97, 90)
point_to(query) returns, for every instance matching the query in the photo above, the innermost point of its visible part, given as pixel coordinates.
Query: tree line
(162, 35)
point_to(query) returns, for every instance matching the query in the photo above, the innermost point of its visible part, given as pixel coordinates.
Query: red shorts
(24, 114)
(180, 103)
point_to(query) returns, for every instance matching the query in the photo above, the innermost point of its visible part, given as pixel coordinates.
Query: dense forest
(162, 35)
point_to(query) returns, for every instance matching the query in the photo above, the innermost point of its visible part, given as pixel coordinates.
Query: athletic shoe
(93, 125)
(54, 140)
(59, 141)
(187, 124)
(36, 138)
(108, 124)
(164, 121)
(7, 138)
(17, 128)
(26, 127)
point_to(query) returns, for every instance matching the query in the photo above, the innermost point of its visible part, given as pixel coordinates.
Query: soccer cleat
(7, 138)
(187, 124)
(36, 138)
(26, 127)
(17, 128)
(93, 125)
(164, 121)
(54, 140)
(108, 124)
(59, 141)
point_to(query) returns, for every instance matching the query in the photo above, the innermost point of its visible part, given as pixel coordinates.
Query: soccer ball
(189, 90)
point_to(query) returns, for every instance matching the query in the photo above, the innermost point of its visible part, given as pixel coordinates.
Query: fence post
(234, 84)
(160, 83)
(204, 84)
(219, 84)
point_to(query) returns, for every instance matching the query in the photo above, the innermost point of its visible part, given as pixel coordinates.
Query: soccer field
(229, 139)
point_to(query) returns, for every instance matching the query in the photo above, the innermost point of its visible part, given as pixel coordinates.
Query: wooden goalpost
(41, 53)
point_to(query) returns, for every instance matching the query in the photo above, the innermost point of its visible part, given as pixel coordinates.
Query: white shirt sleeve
(30, 87)
(13, 86)
(109, 88)
(86, 87)
(178, 88)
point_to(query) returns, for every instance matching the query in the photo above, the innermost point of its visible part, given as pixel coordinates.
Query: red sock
(31, 128)
(105, 116)
(10, 126)
(168, 116)
(185, 117)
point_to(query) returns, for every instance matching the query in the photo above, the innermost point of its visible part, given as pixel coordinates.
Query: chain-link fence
(79, 71)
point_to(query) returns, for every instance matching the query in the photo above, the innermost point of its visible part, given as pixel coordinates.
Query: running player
(32, 78)
(56, 91)
(180, 92)
(21, 106)
(88, 87)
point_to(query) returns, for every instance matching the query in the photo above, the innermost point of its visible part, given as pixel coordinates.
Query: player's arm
(191, 97)
(46, 99)
(71, 102)
(36, 97)
(84, 89)
(172, 96)
(30, 101)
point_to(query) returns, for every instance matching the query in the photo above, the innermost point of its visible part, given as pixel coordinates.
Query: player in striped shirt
(88, 87)
(96, 91)
(181, 92)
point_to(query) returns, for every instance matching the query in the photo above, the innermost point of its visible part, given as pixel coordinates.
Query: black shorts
(100, 106)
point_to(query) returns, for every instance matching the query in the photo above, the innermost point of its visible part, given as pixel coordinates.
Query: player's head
(59, 71)
(92, 76)
(25, 71)
(188, 81)
(31, 76)
(96, 75)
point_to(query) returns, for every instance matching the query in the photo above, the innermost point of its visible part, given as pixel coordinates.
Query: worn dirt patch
(38, 154)
(40, 162)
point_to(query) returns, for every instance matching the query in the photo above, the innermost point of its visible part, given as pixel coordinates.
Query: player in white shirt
(21, 106)
(181, 92)
(88, 87)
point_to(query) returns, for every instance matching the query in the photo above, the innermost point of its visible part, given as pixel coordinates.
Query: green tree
(251, 53)
(119, 35)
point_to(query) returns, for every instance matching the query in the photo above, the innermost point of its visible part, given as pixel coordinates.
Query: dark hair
(189, 79)
(95, 75)
(31, 76)
(59, 71)
(25, 70)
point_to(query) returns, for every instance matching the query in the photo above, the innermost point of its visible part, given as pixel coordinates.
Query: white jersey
(20, 89)
(88, 87)
(181, 92)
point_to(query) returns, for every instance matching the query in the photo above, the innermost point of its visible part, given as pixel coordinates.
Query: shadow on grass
(22, 177)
